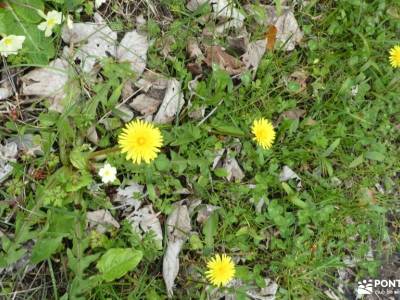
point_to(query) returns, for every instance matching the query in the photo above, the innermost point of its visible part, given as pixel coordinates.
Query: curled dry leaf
(193, 49)
(128, 196)
(270, 37)
(239, 43)
(218, 158)
(178, 227)
(288, 31)
(101, 219)
(47, 82)
(216, 55)
(97, 41)
(28, 143)
(299, 76)
(8, 153)
(5, 90)
(172, 103)
(133, 49)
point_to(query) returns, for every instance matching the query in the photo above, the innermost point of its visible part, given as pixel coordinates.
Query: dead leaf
(145, 105)
(144, 220)
(255, 52)
(288, 31)
(233, 169)
(153, 84)
(28, 143)
(266, 293)
(193, 49)
(133, 49)
(92, 136)
(217, 158)
(99, 41)
(5, 90)
(204, 212)
(128, 195)
(271, 37)
(8, 153)
(293, 114)
(123, 112)
(288, 174)
(36, 83)
(193, 5)
(299, 76)
(239, 43)
(101, 219)
(172, 103)
(216, 55)
(178, 227)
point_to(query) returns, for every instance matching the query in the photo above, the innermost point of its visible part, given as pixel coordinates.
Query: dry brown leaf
(100, 219)
(233, 169)
(239, 43)
(270, 37)
(172, 103)
(293, 114)
(288, 31)
(216, 55)
(193, 49)
(144, 104)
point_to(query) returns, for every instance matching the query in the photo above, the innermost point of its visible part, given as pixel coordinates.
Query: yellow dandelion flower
(221, 270)
(264, 133)
(141, 141)
(395, 56)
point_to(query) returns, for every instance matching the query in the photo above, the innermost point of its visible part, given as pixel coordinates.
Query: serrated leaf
(116, 262)
(44, 248)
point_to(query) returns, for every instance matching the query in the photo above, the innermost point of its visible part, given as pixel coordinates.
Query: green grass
(343, 146)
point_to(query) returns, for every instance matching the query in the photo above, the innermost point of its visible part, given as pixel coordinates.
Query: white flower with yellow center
(108, 173)
(10, 44)
(52, 18)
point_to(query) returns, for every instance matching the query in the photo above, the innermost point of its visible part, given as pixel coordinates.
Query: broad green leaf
(78, 158)
(228, 130)
(44, 248)
(374, 155)
(221, 172)
(26, 10)
(210, 229)
(116, 262)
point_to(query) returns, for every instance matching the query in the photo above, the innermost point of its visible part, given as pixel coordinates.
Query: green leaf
(44, 248)
(210, 229)
(78, 158)
(221, 172)
(357, 161)
(373, 155)
(228, 130)
(116, 262)
(26, 10)
(331, 148)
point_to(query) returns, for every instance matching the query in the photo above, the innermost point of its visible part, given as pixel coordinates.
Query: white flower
(10, 44)
(53, 18)
(108, 173)
(99, 3)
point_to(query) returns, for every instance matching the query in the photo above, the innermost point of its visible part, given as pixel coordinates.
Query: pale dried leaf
(293, 114)
(152, 81)
(128, 195)
(92, 136)
(8, 153)
(145, 105)
(47, 82)
(133, 49)
(29, 144)
(172, 103)
(145, 220)
(288, 174)
(193, 49)
(217, 55)
(255, 52)
(204, 212)
(5, 90)
(178, 227)
(101, 219)
(266, 293)
(124, 112)
(193, 5)
(239, 43)
(299, 76)
(288, 31)
(233, 169)
(224, 10)
(217, 158)
(100, 41)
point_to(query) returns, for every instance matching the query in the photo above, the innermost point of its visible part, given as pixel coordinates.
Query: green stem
(103, 152)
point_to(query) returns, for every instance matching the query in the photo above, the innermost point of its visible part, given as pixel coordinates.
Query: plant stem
(103, 152)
